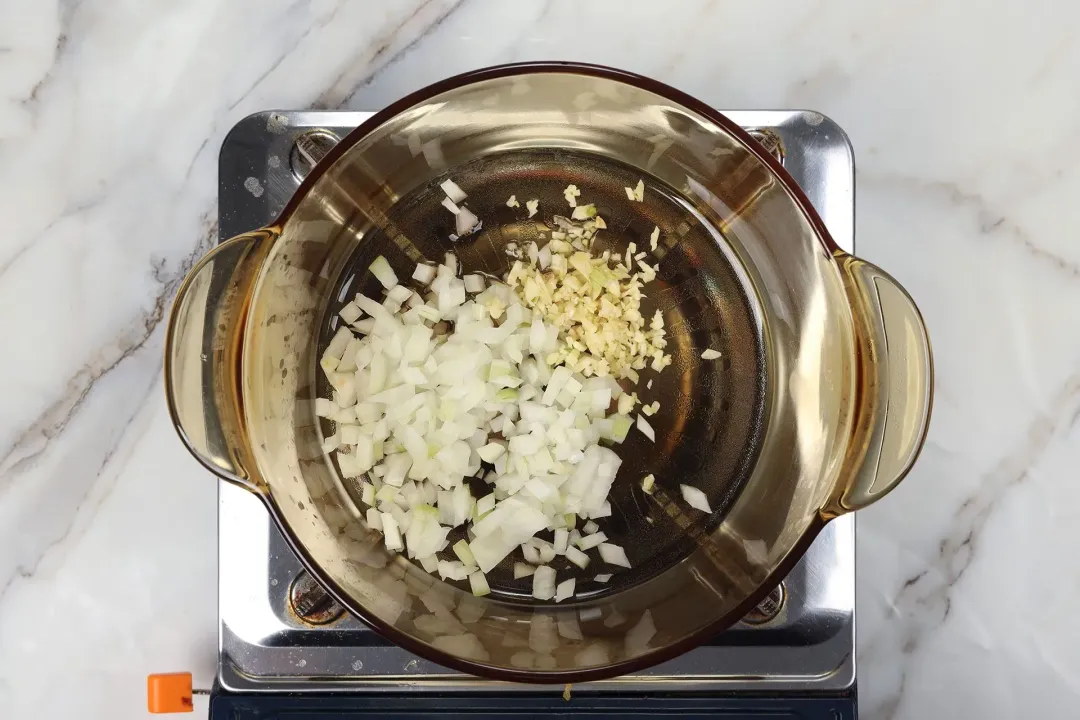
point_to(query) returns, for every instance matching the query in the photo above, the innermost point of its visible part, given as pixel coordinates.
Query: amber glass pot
(818, 406)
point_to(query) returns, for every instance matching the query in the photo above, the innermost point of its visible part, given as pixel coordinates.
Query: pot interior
(709, 427)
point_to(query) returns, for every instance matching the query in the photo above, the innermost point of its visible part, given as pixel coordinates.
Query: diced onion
(603, 577)
(474, 283)
(391, 535)
(562, 538)
(374, 519)
(577, 557)
(695, 498)
(645, 428)
(453, 192)
(479, 584)
(382, 271)
(613, 555)
(531, 554)
(564, 590)
(543, 583)
(710, 354)
(423, 273)
(461, 549)
(590, 541)
(350, 313)
(637, 639)
(592, 655)
(465, 221)
(436, 386)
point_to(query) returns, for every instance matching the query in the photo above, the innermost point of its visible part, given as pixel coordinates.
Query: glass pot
(818, 405)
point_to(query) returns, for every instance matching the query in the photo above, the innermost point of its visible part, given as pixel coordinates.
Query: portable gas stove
(286, 649)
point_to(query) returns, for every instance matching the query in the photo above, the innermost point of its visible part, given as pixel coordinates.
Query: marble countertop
(964, 121)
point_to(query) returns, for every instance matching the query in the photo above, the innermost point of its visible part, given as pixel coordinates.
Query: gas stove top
(280, 634)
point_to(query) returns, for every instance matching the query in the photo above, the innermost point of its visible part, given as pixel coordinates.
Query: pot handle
(897, 370)
(202, 355)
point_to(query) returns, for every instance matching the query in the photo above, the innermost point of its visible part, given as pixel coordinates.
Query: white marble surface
(965, 121)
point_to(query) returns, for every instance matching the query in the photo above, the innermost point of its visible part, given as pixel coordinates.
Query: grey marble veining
(964, 119)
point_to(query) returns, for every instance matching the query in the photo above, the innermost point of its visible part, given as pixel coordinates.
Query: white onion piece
(331, 443)
(645, 428)
(590, 541)
(461, 549)
(603, 577)
(423, 273)
(350, 312)
(479, 584)
(466, 645)
(382, 271)
(531, 554)
(485, 505)
(491, 452)
(367, 495)
(543, 583)
(449, 205)
(592, 656)
(523, 659)
(568, 626)
(564, 590)
(562, 538)
(577, 557)
(613, 555)
(391, 535)
(474, 283)
(695, 498)
(547, 553)
(331, 357)
(637, 639)
(710, 354)
(523, 570)
(453, 192)
(465, 221)
(374, 519)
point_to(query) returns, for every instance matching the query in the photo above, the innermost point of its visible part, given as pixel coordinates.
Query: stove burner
(281, 631)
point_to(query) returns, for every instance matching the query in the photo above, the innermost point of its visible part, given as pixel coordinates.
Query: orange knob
(169, 692)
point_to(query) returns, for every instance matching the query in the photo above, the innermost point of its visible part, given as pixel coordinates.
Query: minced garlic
(594, 301)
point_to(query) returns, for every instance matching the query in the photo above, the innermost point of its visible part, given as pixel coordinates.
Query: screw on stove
(769, 608)
(311, 603)
(308, 149)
